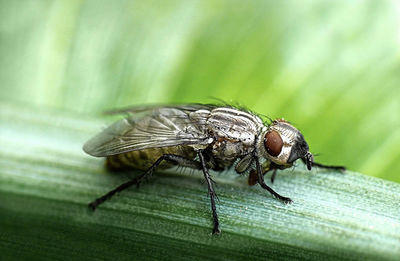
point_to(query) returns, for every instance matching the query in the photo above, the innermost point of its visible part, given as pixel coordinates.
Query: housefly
(201, 137)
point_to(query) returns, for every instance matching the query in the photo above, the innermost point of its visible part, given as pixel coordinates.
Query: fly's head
(283, 144)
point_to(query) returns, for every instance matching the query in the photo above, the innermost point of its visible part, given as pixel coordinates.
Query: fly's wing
(157, 127)
(148, 108)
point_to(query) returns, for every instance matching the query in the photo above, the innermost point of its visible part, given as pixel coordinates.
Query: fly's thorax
(233, 124)
(283, 144)
(234, 133)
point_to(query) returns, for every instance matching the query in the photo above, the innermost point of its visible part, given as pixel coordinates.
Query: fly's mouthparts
(309, 159)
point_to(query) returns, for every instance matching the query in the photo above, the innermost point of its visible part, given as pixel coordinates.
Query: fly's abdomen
(143, 159)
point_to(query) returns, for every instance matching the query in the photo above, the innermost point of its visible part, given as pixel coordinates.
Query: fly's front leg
(137, 180)
(265, 186)
(266, 167)
(211, 192)
(253, 175)
(322, 166)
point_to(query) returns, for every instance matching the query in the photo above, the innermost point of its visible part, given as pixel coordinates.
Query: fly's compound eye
(273, 143)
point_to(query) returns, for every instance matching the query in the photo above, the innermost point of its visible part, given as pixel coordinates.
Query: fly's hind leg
(211, 192)
(175, 159)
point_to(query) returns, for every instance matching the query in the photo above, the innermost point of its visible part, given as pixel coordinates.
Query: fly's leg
(265, 186)
(273, 176)
(322, 166)
(136, 181)
(275, 168)
(211, 192)
(93, 205)
(253, 175)
(319, 165)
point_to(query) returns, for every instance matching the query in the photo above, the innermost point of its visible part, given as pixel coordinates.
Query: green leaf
(46, 182)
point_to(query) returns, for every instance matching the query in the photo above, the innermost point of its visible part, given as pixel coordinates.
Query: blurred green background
(330, 67)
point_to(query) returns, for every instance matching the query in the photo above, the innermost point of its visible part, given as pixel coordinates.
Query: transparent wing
(146, 108)
(155, 127)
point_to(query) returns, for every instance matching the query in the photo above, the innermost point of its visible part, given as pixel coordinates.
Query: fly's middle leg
(178, 160)
(273, 176)
(211, 192)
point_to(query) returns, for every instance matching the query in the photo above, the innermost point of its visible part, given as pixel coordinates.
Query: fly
(200, 137)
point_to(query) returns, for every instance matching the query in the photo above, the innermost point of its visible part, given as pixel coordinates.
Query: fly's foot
(285, 200)
(216, 231)
(93, 205)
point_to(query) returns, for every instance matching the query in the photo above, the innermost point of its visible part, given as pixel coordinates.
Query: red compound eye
(273, 143)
